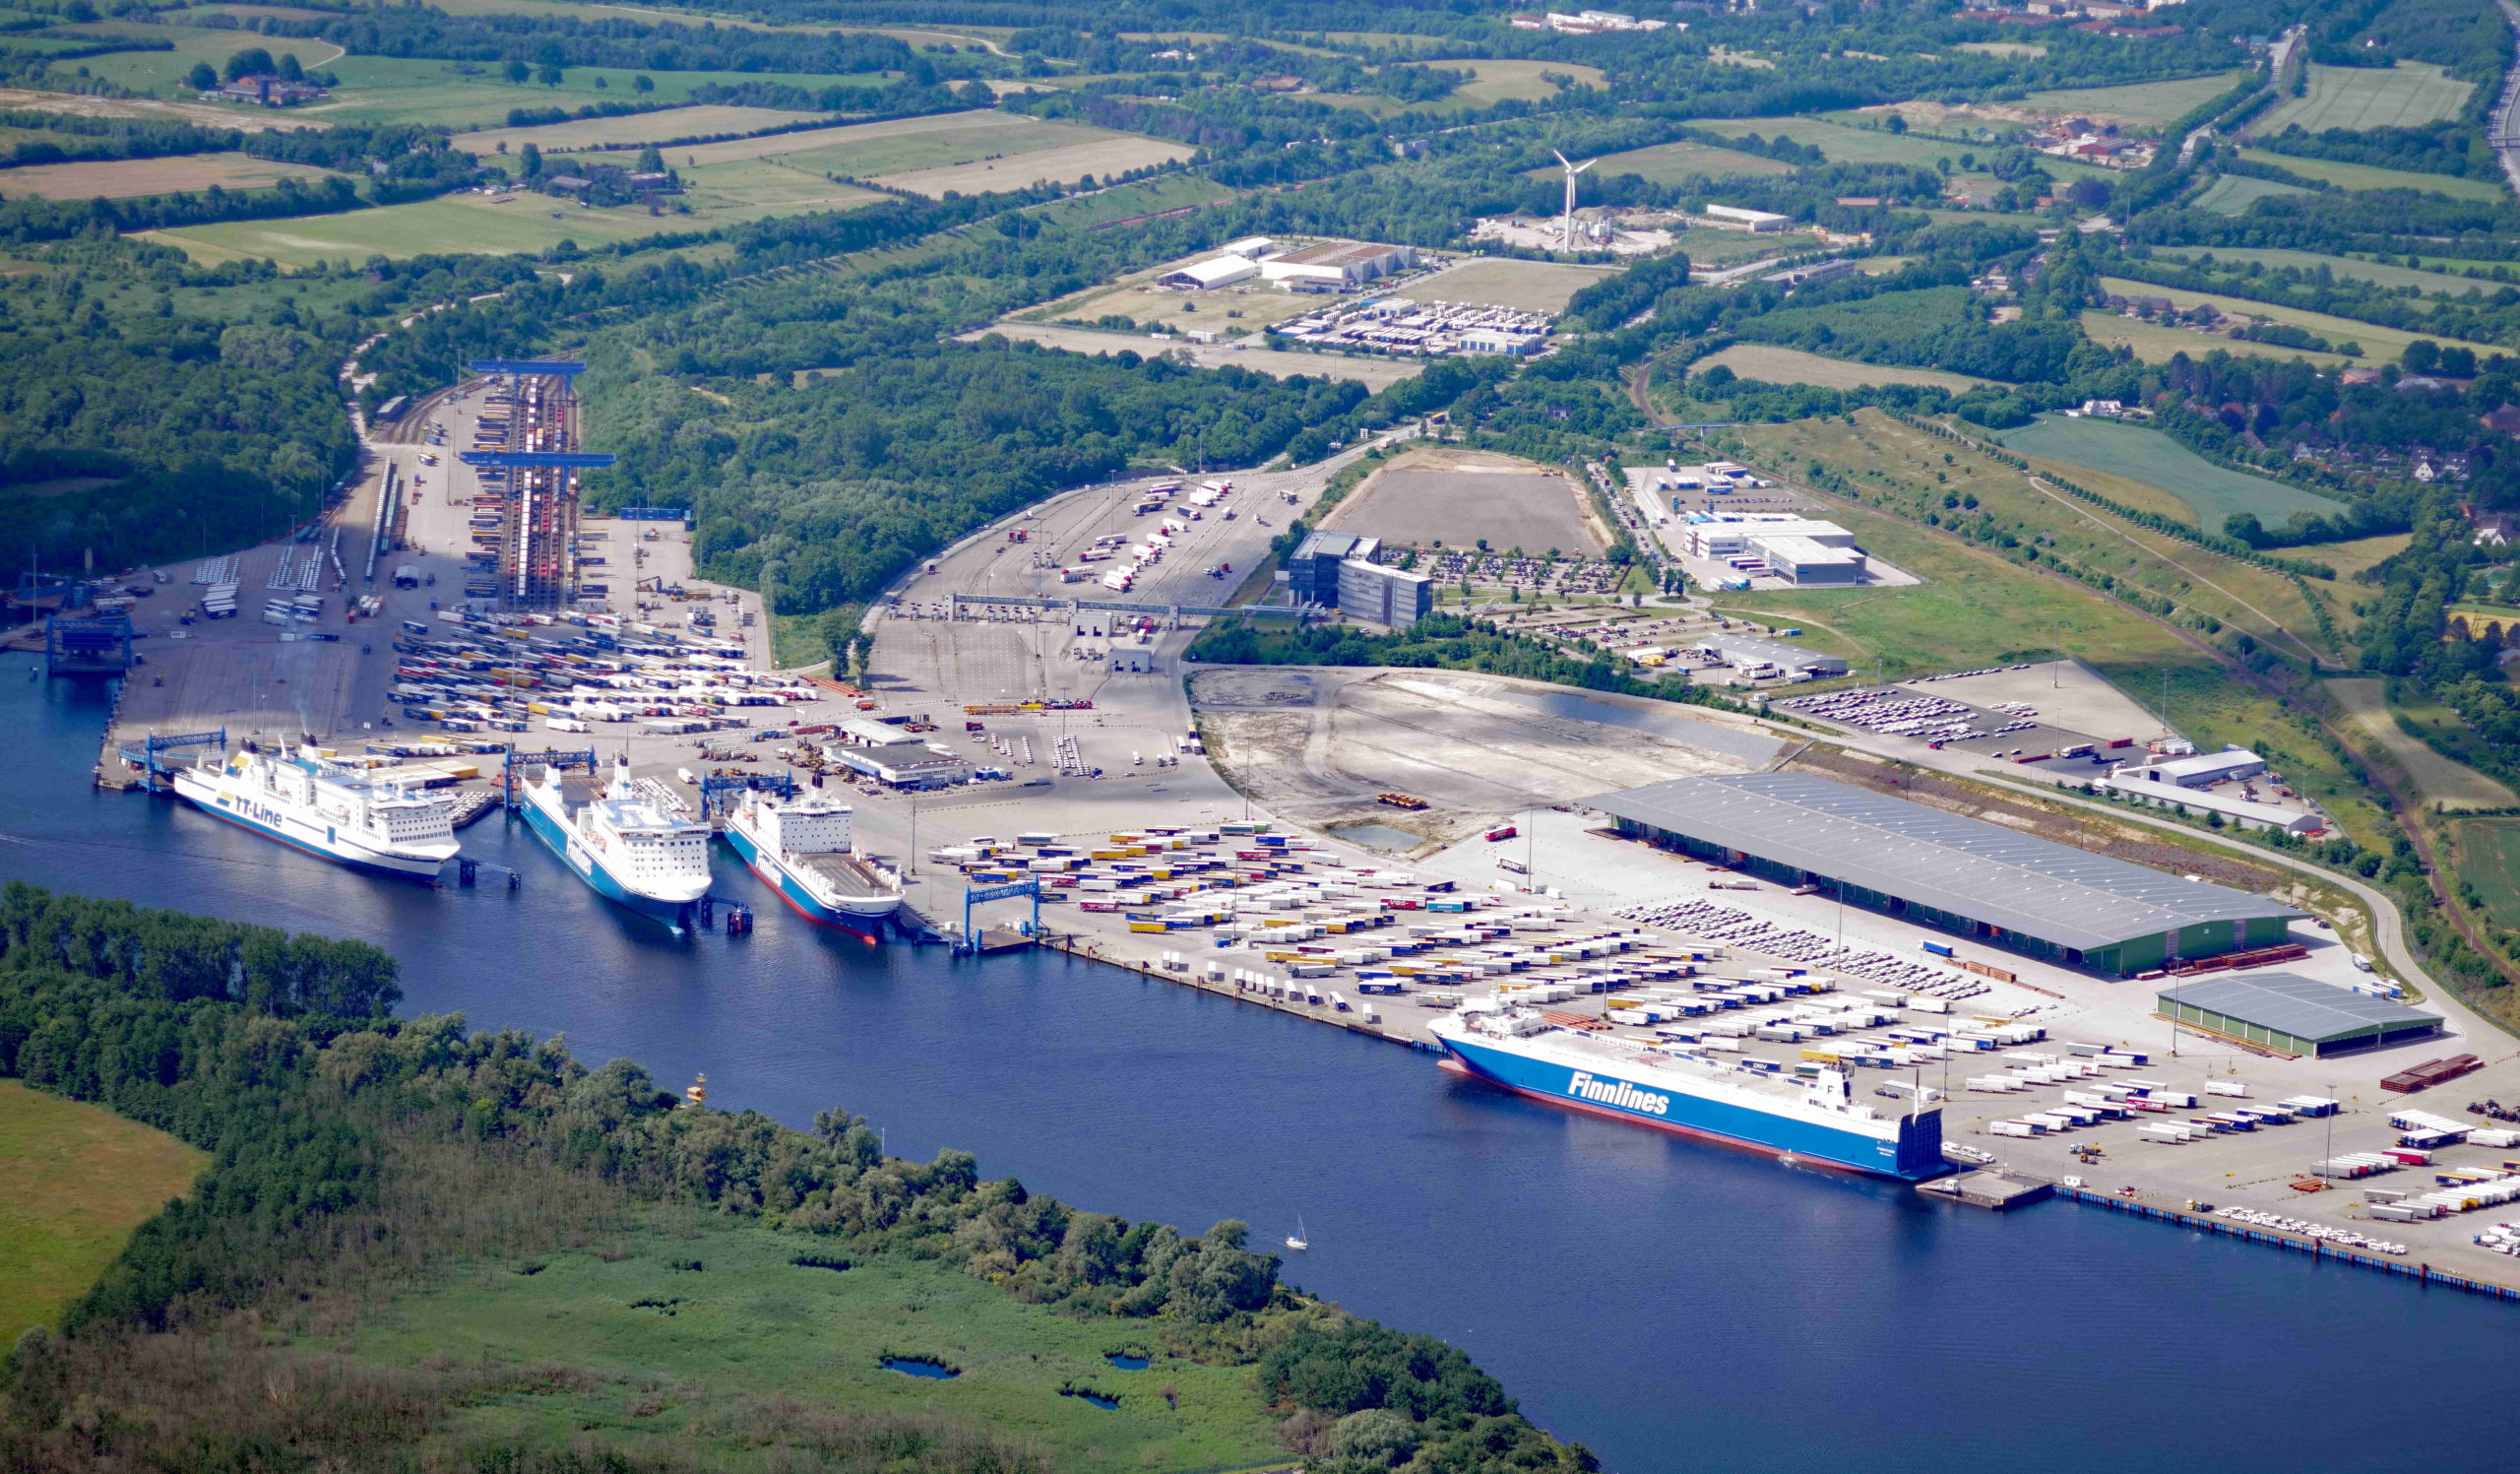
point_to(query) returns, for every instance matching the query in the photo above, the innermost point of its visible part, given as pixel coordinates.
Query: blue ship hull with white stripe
(363, 867)
(676, 915)
(1911, 1149)
(792, 891)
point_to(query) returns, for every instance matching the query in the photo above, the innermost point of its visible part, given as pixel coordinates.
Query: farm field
(1900, 466)
(1972, 609)
(1277, 364)
(1844, 145)
(2405, 95)
(638, 128)
(382, 90)
(1786, 366)
(155, 71)
(846, 135)
(2379, 345)
(2233, 194)
(1492, 81)
(1673, 164)
(1525, 285)
(2489, 859)
(205, 114)
(2441, 782)
(1114, 155)
(750, 188)
(2148, 456)
(2430, 283)
(986, 136)
(1707, 248)
(75, 1180)
(2351, 557)
(2367, 176)
(523, 224)
(2146, 104)
(679, 1300)
(2157, 343)
(1127, 201)
(126, 178)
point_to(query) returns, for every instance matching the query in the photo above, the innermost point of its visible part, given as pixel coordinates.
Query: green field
(2395, 278)
(1973, 608)
(2440, 781)
(903, 150)
(379, 89)
(1675, 163)
(2489, 859)
(2366, 176)
(624, 1342)
(2159, 343)
(158, 71)
(1492, 82)
(2379, 345)
(2146, 104)
(1524, 286)
(75, 1180)
(2231, 194)
(1786, 366)
(2154, 459)
(526, 224)
(2404, 96)
(1705, 247)
(1844, 145)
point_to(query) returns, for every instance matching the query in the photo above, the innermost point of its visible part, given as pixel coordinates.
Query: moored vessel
(623, 843)
(1811, 1119)
(804, 848)
(308, 802)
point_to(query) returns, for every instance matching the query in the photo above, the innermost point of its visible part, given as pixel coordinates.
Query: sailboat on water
(1296, 1240)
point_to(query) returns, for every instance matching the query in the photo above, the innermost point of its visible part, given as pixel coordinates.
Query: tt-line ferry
(308, 802)
(1817, 1119)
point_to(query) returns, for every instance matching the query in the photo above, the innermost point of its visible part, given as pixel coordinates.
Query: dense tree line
(567, 40)
(280, 1055)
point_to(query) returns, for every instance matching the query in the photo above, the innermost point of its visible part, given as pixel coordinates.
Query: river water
(1674, 1306)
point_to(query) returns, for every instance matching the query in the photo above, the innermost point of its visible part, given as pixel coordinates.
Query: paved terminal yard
(1560, 912)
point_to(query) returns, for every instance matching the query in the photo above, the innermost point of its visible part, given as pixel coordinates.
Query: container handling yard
(1735, 946)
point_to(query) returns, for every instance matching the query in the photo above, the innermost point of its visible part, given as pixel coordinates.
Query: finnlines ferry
(622, 843)
(1815, 1119)
(310, 803)
(802, 849)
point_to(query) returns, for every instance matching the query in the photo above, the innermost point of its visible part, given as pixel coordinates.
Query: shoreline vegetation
(370, 1173)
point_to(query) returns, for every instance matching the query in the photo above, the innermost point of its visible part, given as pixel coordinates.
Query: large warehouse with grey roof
(1947, 871)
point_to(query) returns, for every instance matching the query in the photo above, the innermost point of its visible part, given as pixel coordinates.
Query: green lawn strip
(2408, 94)
(2210, 491)
(2147, 103)
(2370, 177)
(75, 1180)
(2233, 194)
(2159, 343)
(2350, 268)
(2489, 859)
(2379, 345)
(753, 1324)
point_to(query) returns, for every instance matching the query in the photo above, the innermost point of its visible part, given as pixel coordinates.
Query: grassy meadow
(75, 1180)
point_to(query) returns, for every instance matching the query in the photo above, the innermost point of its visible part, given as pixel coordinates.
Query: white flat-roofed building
(2199, 770)
(1736, 537)
(1800, 561)
(1221, 270)
(1250, 247)
(2245, 813)
(1748, 220)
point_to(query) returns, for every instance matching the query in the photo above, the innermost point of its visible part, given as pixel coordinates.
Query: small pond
(912, 1365)
(1124, 1361)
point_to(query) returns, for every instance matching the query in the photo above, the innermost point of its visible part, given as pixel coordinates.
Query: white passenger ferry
(312, 805)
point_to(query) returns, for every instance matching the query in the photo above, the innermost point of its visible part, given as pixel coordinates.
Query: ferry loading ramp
(1962, 874)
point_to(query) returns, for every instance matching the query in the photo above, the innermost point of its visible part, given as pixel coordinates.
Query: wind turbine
(1567, 224)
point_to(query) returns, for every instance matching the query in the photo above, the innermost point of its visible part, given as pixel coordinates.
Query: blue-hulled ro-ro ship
(623, 843)
(1814, 1119)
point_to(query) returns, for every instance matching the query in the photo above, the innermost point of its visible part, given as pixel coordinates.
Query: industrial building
(1951, 873)
(2198, 770)
(1337, 570)
(2245, 813)
(1741, 219)
(1335, 265)
(1798, 549)
(1752, 656)
(2294, 1016)
(1805, 562)
(1130, 660)
(1222, 271)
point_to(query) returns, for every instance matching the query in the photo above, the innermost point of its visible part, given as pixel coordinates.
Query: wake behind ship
(309, 803)
(1818, 1121)
(623, 843)
(802, 848)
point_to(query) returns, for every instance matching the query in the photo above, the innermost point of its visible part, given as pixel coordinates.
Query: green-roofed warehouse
(1946, 871)
(2294, 1016)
